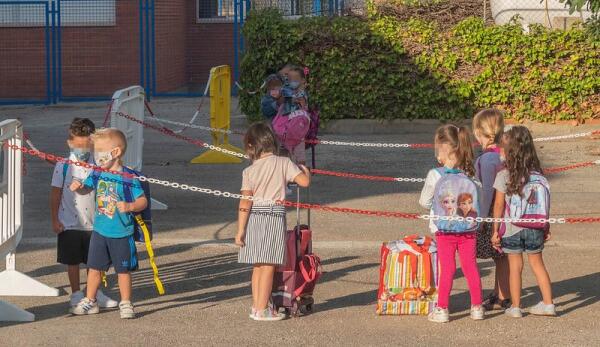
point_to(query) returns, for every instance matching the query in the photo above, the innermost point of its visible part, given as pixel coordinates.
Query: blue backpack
(456, 195)
(146, 214)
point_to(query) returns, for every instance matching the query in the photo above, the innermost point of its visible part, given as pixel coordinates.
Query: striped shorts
(265, 236)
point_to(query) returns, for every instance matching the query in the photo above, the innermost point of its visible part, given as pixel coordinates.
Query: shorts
(525, 241)
(120, 253)
(73, 246)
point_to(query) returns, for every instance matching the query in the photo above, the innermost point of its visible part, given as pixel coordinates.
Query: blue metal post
(153, 49)
(47, 39)
(58, 54)
(141, 43)
(317, 7)
(331, 7)
(54, 63)
(148, 86)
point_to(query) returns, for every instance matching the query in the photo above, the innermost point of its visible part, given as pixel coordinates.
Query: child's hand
(496, 241)
(240, 239)
(57, 227)
(75, 185)
(124, 207)
(547, 236)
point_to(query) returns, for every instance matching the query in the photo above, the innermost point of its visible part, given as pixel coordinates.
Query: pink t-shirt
(267, 178)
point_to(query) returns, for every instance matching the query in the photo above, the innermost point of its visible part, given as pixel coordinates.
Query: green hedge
(381, 68)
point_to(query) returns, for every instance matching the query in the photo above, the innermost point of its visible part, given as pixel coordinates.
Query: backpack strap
(157, 281)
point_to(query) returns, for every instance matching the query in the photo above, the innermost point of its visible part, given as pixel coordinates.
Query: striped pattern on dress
(265, 236)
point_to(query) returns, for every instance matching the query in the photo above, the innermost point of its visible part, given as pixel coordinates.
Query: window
(215, 10)
(72, 13)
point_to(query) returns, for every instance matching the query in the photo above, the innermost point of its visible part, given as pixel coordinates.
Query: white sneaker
(439, 315)
(514, 312)
(126, 310)
(542, 309)
(105, 301)
(76, 298)
(268, 315)
(85, 306)
(477, 312)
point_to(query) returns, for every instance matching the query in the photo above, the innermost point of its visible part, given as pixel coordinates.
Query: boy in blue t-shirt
(112, 240)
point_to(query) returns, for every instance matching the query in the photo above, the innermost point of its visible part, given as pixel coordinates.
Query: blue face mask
(81, 154)
(294, 84)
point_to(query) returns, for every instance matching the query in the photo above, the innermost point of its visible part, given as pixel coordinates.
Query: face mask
(294, 84)
(275, 93)
(103, 158)
(80, 154)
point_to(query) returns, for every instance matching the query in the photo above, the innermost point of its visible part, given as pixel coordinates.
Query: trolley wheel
(309, 308)
(288, 312)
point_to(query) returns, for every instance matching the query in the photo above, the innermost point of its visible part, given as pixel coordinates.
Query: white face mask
(102, 159)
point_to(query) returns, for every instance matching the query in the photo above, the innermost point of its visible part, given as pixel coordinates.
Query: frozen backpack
(533, 203)
(291, 129)
(456, 195)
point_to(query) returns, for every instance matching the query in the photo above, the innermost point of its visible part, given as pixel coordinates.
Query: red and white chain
(565, 137)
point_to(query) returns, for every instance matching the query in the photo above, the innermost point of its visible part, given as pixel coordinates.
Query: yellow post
(220, 118)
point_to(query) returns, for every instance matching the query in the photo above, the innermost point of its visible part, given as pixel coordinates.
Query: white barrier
(131, 101)
(12, 282)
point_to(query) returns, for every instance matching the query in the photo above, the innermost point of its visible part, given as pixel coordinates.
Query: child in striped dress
(262, 222)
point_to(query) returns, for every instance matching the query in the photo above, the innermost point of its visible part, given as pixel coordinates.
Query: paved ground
(207, 291)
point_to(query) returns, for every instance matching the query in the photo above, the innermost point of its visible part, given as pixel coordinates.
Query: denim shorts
(525, 241)
(105, 251)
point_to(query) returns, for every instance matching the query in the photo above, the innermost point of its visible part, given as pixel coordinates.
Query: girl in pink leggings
(454, 152)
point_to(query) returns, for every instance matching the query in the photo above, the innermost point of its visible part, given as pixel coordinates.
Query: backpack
(453, 193)
(291, 129)
(533, 203)
(408, 276)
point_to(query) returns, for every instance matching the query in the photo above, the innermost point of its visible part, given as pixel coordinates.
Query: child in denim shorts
(521, 162)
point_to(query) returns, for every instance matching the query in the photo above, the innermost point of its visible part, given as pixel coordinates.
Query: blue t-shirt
(109, 222)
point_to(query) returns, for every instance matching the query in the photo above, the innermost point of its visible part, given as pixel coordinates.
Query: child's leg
(256, 271)
(265, 286)
(93, 282)
(467, 246)
(74, 279)
(502, 273)
(541, 275)
(125, 286)
(447, 254)
(515, 263)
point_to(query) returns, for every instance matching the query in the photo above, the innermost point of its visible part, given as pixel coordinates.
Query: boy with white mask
(73, 214)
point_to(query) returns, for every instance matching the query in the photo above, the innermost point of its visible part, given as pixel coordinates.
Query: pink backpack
(291, 129)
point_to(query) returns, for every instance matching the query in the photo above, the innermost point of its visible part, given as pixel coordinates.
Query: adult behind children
(262, 224)
(73, 214)
(443, 187)
(112, 241)
(522, 184)
(488, 127)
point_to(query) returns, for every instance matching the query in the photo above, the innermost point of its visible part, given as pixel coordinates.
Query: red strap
(384, 254)
(309, 276)
(305, 237)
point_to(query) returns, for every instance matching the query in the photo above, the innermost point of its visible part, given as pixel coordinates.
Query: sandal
(490, 302)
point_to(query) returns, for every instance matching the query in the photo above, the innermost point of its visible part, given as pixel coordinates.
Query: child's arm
(138, 205)
(55, 196)
(303, 179)
(497, 213)
(426, 199)
(243, 214)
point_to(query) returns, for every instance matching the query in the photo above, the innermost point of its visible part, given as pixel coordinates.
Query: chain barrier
(358, 144)
(366, 177)
(375, 213)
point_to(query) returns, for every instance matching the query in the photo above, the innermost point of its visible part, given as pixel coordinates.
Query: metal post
(153, 51)
(48, 53)
(59, 51)
(141, 14)
(235, 46)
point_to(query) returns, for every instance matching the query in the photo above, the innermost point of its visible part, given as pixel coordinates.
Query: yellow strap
(159, 285)
(104, 279)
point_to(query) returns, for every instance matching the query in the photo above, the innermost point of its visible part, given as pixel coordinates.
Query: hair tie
(306, 71)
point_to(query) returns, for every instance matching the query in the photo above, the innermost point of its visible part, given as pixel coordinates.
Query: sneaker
(126, 310)
(514, 312)
(439, 315)
(477, 312)
(542, 309)
(76, 298)
(268, 315)
(490, 302)
(252, 313)
(105, 301)
(85, 306)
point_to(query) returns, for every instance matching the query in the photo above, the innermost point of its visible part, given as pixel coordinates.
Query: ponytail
(464, 151)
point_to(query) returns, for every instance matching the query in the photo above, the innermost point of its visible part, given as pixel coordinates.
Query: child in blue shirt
(112, 240)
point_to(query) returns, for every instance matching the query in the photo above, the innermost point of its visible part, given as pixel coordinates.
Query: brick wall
(170, 45)
(22, 63)
(96, 61)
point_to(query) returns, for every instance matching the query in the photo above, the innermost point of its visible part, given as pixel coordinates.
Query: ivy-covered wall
(383, 68)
